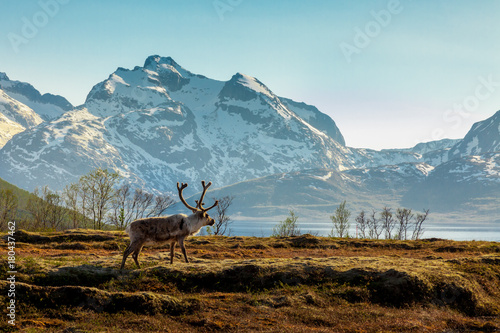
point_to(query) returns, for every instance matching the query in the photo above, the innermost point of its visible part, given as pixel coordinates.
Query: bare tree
(403, 218)
(38, 207)
(71, 195)
(362, 224)
(340, 221)
(8, 206)
(121, 214)
(221, 217)
(141, 202)
(418, 230)
(374, 227)
(127, 207)
(46, 209)
(56, 213)
(97, 188)
(388, 222)
(162, 203)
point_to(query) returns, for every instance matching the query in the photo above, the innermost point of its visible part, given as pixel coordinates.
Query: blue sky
(390, 73)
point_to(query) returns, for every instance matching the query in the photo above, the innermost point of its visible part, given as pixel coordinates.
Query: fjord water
(462, 232)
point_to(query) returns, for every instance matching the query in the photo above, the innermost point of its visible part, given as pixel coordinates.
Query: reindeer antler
(200, 202)
(207, 209)
(182, 187)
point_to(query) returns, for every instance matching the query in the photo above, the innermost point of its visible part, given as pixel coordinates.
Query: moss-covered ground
(70, 282)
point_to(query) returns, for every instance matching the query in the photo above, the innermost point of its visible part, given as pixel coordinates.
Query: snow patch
(252, 83)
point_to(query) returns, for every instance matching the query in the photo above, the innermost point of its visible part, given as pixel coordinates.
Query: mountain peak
(156, 60)
(4, 77)
(481, 138)
(251, 85)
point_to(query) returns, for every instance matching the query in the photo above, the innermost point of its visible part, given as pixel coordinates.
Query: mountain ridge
(161, 123)
(47, 106)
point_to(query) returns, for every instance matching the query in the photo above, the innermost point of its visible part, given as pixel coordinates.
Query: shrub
(288, 227)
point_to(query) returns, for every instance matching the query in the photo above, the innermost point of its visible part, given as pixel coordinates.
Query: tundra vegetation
(70, 281)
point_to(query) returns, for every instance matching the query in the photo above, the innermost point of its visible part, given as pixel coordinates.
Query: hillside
(243, 284)
(21, 194)
(317, 192)
(470, 183)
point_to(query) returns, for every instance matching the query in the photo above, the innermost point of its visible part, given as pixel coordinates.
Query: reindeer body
(169, 229)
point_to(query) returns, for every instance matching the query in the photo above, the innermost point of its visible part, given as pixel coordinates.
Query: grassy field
(70, 282)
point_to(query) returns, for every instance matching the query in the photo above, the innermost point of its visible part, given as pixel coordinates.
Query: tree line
(96, 201)
(402, 224)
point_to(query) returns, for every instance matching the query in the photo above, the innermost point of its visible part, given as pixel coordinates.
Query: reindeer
(168, 229)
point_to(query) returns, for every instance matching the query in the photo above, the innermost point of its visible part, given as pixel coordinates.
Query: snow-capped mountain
(469, 177)
(433, 146)
(484, 136)
(58, 152)
(47, 106)
(432, 153)
(317, 192)
(465, 183)
(160, 123)
(15, 117)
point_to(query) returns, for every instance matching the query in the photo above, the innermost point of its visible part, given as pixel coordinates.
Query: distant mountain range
(159, 124)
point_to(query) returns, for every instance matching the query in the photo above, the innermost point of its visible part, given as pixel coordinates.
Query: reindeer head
(199, 210)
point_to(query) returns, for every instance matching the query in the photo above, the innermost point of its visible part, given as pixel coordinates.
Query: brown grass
(69, 281)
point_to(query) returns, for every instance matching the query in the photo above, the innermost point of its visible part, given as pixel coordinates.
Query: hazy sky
(390, 73)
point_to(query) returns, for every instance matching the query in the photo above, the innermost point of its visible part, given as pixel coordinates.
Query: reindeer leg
(126, 253)
(136, 253)
(172, 251)
(183, 249)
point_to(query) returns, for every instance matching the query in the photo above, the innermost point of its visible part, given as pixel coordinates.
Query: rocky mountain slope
(465, 183)
(159, 124)
(15, 117)
(483, 137)
(317, 192)
(47, 106)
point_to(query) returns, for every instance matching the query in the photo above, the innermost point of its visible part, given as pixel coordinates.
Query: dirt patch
(66, 236)
(69, 246)
(304, 241)
(82, 275)
(99, 300)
